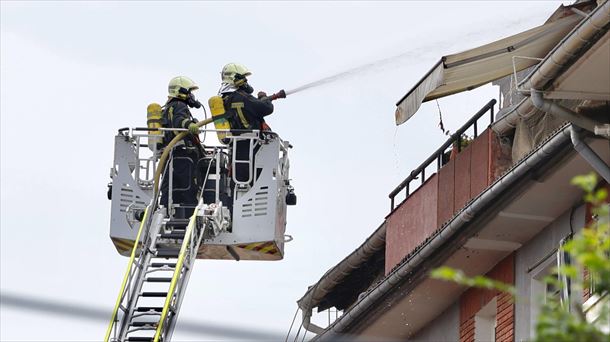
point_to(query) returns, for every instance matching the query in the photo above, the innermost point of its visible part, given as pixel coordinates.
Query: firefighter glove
(193, 129)
(261, 94)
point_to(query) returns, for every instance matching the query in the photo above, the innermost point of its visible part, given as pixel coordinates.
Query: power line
(291, 324)
(72, 310)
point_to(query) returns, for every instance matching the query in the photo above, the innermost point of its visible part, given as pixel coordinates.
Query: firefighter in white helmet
(186, 153)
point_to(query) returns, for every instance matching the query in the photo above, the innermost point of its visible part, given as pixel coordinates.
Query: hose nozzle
(279, 95)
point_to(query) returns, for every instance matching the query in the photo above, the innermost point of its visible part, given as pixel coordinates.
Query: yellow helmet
(230, 70)
(179, 87)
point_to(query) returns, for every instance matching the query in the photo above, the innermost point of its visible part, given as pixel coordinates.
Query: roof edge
(553, 65)
(569, 49)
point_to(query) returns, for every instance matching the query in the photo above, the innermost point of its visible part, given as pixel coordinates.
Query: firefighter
(186, 153)
(244, 111)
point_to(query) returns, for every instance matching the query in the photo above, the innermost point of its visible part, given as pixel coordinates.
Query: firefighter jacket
(176, 114)
(245, 111)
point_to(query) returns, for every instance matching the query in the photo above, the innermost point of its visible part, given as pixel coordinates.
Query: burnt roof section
(346, 292)
(342, 284)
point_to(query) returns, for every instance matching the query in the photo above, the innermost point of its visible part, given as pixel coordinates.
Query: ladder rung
(139, 339)
(177, 223)
(154, 294)
(148, 327)
(158, 279)
(163, 264)
(149, 308)
(168, 252)
(173, 235)
(143, 324)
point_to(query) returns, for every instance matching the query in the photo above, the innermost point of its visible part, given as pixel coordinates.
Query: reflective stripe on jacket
(176, 114)
(245, 111)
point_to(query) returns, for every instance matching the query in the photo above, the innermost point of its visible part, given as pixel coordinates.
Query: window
(485, 322)
(594, 311)
(541, 291)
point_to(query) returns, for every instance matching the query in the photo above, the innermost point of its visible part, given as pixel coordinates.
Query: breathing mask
(241, 82)
(192, 102)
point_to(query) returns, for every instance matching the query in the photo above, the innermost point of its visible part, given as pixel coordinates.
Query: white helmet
(230, 70)
(179, 87)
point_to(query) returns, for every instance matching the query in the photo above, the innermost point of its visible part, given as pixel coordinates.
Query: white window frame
(485, 322)
(538, 288)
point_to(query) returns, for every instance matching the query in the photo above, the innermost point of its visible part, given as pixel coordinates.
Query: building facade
(498, 203)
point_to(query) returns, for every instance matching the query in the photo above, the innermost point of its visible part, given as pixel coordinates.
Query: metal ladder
(247, 162)
(147, 307)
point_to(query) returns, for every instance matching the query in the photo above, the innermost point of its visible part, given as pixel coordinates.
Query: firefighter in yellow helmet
(244, 111)
(186, 154)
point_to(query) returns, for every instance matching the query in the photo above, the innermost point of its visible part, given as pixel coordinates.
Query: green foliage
(586, 182)
(464, 141)
(556, 324)
(590, 250)
(457, 276)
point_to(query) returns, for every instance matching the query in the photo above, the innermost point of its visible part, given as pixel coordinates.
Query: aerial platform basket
(254, 210)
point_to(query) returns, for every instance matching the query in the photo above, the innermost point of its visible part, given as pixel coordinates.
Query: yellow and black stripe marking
(124, 246)
(261, 247)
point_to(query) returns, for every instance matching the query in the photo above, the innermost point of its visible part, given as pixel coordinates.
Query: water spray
(329, 79)
(413, 56)
(348, 73)
(367, 67)
(340, 75)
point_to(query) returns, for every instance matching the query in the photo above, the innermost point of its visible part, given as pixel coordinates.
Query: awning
(473, 68)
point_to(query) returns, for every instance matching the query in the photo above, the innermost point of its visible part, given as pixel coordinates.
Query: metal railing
(438, 154)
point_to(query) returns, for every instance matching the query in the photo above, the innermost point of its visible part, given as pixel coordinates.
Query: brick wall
(469, 172)
(589, 207)
(505, 318)
(435, 202)
(467, 330)
(586, 285)
(411, 223)
(500, 157)
(474, 299)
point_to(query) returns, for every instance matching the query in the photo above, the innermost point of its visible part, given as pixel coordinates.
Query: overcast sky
(74, 72)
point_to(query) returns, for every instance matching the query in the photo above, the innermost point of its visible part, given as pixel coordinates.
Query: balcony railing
(439, 153)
